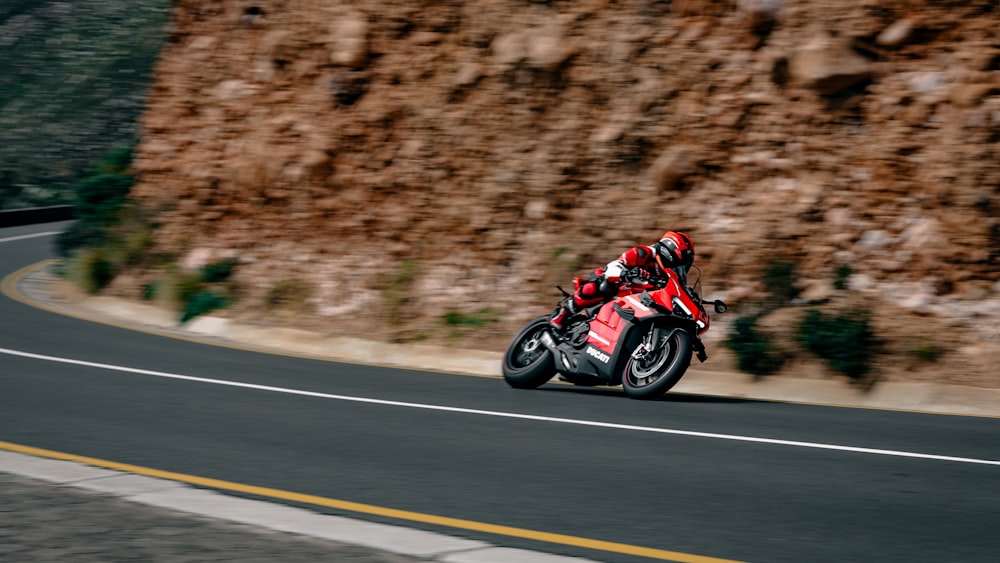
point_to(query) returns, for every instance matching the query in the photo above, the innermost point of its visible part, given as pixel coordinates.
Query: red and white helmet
(674, 249)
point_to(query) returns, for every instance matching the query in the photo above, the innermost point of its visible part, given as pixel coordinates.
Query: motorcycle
(643, 339)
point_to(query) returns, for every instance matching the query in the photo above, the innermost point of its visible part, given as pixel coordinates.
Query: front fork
(651, 343)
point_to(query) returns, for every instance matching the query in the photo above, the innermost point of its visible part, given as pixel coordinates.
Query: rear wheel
(651, 374)
(528, 364)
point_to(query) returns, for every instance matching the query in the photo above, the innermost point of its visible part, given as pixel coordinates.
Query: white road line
(288, 391)
(22, 237)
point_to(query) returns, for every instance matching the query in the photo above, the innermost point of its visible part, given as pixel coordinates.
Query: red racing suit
(602, 285)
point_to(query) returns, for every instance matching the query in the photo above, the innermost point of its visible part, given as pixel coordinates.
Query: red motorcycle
(642, 340)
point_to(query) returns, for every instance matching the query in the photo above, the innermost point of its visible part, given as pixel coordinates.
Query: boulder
(760, 14)
(671, 166)
(896, 34)
(828, 65)
(348, 41)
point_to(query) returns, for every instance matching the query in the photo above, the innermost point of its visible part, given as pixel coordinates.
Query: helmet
(674, 249)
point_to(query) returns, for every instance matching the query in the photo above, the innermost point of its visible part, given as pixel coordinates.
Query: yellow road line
(373, 510)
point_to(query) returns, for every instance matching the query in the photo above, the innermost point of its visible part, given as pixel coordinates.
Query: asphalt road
(712, 477)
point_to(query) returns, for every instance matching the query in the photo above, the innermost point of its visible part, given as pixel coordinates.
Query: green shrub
(844, 272)
(202, 302)
(149, 290)
(186, 286)
(92, 270)
(397, 291)
(779, 280)
(929, 353)
(754, 351)
(478, 319)
(193, 293)
(218, 271)
(290, 293)
(845, 341)
(99, 199)
(78, 235)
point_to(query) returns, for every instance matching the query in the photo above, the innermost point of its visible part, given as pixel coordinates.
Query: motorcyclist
(674, 251)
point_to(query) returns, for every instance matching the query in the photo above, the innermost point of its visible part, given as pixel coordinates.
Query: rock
(816, 291)
(923, 234)
(674, 164)
(918, 302)
(467, 74)
(925, 82)
(536, 209)
(509, 49)
(202, 43)
(548, 47)
(349, 40)
(896, 34)
(860, 282)
(874, 240)
(230, 90)
(967, 95)
(760, 13)
(828, 65)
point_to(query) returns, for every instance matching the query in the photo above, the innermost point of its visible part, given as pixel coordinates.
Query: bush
(92, 270)
(845, 341)
(929, 353)
(202, 302)
(290, 293)
(397, 291)
(478, 319)
(753, 349)
(843, 273)
(218, 271)
(99, 199)
(779, 279)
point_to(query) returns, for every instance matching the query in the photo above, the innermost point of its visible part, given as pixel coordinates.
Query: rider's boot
(562, 315)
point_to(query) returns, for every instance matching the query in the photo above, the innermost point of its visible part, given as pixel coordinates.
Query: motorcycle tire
(527, 363)
(651, 377)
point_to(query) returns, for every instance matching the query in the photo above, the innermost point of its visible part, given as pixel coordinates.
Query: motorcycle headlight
(679, 305)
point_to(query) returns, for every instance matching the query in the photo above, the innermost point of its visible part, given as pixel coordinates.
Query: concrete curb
(38, 286)
(162, 493)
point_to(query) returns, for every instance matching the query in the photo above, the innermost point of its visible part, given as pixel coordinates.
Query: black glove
(639, 275)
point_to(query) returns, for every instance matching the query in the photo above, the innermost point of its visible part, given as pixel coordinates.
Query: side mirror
(720, 307)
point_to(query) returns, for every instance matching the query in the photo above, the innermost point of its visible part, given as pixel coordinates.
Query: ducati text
(598, 354)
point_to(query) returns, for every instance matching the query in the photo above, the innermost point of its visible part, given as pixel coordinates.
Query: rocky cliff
(418, 167)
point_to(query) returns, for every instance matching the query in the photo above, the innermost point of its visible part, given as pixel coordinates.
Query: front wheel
(528, 364)
(653, 373)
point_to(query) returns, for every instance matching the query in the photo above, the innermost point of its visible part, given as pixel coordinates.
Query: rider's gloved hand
(640, 275)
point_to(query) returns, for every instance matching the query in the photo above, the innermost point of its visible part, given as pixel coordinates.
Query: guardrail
(34, 215)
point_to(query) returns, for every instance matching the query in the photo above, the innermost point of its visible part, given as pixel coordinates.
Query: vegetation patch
(195, 293)
(841, 276)
(929, 353)
(397, 291)
(73, 81)
(91, 270)
(290, 294)
(202, 302)
(779, 279)
(99, 201)
(220, 271)
(844, 340)
(476, 319)
(754, 351)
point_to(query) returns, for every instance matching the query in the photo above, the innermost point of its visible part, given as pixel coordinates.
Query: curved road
(692, 478)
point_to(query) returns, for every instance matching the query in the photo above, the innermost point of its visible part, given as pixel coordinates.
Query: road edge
(36, 285)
